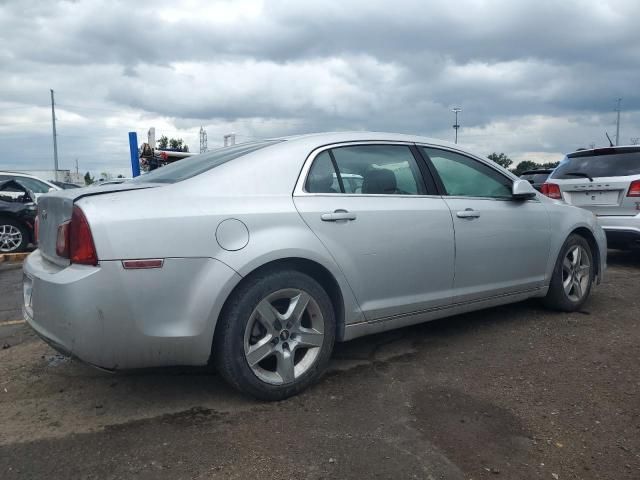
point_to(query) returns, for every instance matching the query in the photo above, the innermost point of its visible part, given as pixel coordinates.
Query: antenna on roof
(609, 138)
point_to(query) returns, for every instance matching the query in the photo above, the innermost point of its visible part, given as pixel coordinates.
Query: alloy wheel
(576, 273)
(10, 238)
(284, 336)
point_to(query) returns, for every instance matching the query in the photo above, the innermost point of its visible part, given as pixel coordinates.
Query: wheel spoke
(307, 337)
(576, 254)
(260, 351)
(285, 368)
(567, 283)
(578, 288)
(583, 271)
(268, 316)
(296, 309)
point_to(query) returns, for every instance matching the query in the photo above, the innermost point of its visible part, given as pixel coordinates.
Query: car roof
(323, 138)
(19, 174)
(594, 152)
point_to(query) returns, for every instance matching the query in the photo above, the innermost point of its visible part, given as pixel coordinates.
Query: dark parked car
(17, 217)
(536, 177)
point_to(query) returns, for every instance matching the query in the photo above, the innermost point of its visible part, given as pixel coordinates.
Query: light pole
(456, 126)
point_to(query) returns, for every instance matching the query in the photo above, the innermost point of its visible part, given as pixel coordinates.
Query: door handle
(337, 216)
(468, 213)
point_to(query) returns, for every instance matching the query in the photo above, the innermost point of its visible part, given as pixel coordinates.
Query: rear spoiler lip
(604, 151)
(98, 192)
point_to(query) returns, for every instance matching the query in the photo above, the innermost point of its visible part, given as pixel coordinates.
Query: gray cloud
(535, 78)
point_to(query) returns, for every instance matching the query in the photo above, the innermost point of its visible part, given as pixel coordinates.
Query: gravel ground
(514, 392)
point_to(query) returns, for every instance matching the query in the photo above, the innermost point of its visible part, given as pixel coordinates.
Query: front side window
(366, 169)
(465, 177)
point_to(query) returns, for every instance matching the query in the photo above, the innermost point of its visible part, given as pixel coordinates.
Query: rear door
(502, 245)
(599, 180)
(387, 229)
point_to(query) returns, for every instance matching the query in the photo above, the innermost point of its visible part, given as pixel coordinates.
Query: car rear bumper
(120, 319)
(621, 231)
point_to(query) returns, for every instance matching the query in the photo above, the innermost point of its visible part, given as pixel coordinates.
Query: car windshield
(192, 166)
(608, 165)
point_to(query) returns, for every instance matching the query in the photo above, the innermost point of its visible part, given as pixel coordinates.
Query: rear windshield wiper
(580, 174)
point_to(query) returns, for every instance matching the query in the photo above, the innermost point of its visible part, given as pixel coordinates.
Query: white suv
(607, 182)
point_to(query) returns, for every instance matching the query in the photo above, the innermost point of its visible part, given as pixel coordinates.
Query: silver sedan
(260, 256)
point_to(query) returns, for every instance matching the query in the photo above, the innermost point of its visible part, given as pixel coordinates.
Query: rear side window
(192, 166)
(366, 169)
(465, 177)
(612, 165)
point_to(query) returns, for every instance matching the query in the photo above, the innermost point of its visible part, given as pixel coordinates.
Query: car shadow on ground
(624, 258)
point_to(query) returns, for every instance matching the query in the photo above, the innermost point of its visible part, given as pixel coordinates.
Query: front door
(502, 244)
(370, 207)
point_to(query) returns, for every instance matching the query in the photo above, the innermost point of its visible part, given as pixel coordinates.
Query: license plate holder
(596, 197)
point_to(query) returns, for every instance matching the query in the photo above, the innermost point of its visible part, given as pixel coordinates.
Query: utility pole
(55, 136)
(203, 140)
(456, 125)
(618, 123)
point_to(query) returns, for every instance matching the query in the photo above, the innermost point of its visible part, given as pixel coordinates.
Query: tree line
(504, 161)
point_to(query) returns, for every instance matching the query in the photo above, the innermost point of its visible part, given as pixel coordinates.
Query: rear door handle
(468, 213)
(337, 216)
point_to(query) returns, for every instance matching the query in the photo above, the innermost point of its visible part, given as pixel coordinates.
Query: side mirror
(522, 190)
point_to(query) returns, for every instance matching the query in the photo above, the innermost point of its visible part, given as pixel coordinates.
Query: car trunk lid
(55, 208)
(603, 196)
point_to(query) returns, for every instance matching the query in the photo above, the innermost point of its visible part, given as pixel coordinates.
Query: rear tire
(14, 237)
(275, 335)
(572, 277)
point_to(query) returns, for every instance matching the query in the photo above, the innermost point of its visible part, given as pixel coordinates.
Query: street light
(456, 126)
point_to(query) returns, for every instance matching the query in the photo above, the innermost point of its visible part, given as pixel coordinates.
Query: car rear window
(608, 165)
(192, 166)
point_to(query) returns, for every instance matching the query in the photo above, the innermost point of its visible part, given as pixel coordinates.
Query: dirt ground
(515, 392)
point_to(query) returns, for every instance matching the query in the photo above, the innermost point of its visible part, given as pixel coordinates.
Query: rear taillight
(634, 189)
(62, 240)
(552, 190)
(74, 240)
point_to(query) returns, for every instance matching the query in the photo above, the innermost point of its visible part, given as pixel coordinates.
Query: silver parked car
(607, 182)
(260, 256)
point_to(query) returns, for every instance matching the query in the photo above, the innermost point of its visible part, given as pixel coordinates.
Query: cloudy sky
(534, 78)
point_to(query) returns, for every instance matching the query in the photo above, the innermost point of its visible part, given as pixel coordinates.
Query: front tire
(275, 335)
(14, 237)
(572, 276)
